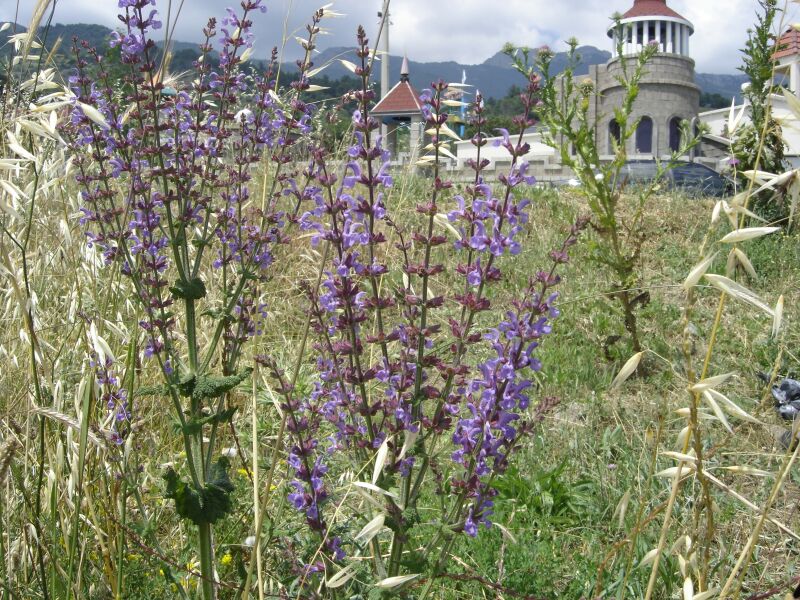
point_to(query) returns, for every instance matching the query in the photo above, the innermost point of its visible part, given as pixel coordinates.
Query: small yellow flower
(226, 559)
(243, 472)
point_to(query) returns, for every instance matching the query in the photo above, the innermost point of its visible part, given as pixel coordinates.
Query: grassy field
(602, 445)
(281, 441)
(579, 509)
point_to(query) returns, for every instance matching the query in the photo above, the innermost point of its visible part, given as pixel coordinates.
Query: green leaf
(213, 387)
(209, 504)
(151, 390)
(196, 425)
(186, 385)
(194, 289)
(187, 500)
(217, 313)
(198, 388)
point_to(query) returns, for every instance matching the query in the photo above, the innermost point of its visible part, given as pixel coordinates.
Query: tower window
(675, 134)
(644, 136)
(613, 135)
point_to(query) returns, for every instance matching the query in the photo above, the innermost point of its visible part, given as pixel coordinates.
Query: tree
(760, 145)
(758, 66)
(713, 100)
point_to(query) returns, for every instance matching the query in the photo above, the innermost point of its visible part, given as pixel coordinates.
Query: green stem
(121, 538)
(211, 349)
(204, 537)
(34, 367)
(191, 335)
(206, 560)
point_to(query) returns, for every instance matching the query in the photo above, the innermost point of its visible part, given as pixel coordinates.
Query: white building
(787, 71)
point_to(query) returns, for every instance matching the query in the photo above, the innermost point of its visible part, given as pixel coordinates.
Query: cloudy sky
(467, 31)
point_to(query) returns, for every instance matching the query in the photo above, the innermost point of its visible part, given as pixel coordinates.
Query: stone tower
(668, 93)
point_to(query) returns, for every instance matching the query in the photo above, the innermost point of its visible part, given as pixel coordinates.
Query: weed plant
(569, 129)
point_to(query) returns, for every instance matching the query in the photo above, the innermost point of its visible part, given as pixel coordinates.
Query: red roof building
(787, 60)
(651, 8)
(788, 44)
(651, 22)
(402, 100)
(400, 111)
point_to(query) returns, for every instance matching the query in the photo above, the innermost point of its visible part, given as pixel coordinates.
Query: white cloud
(468, 31)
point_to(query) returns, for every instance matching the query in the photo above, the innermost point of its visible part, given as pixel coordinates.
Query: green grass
(559, 500)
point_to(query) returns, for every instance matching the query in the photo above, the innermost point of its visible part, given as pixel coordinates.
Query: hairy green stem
(206, 560)
(123, 503)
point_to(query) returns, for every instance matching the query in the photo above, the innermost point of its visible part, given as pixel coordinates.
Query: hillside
(493, 77)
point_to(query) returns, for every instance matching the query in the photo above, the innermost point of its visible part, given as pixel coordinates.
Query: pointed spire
(404, 70)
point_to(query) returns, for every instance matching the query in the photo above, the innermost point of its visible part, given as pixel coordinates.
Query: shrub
(430, 413)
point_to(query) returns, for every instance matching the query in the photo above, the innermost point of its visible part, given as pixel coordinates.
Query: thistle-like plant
(618, 212)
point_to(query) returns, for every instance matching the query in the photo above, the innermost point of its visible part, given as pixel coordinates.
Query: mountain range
(493, 77)
(496, 75)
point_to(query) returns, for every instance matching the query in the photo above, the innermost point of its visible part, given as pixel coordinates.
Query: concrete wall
(497, 154)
